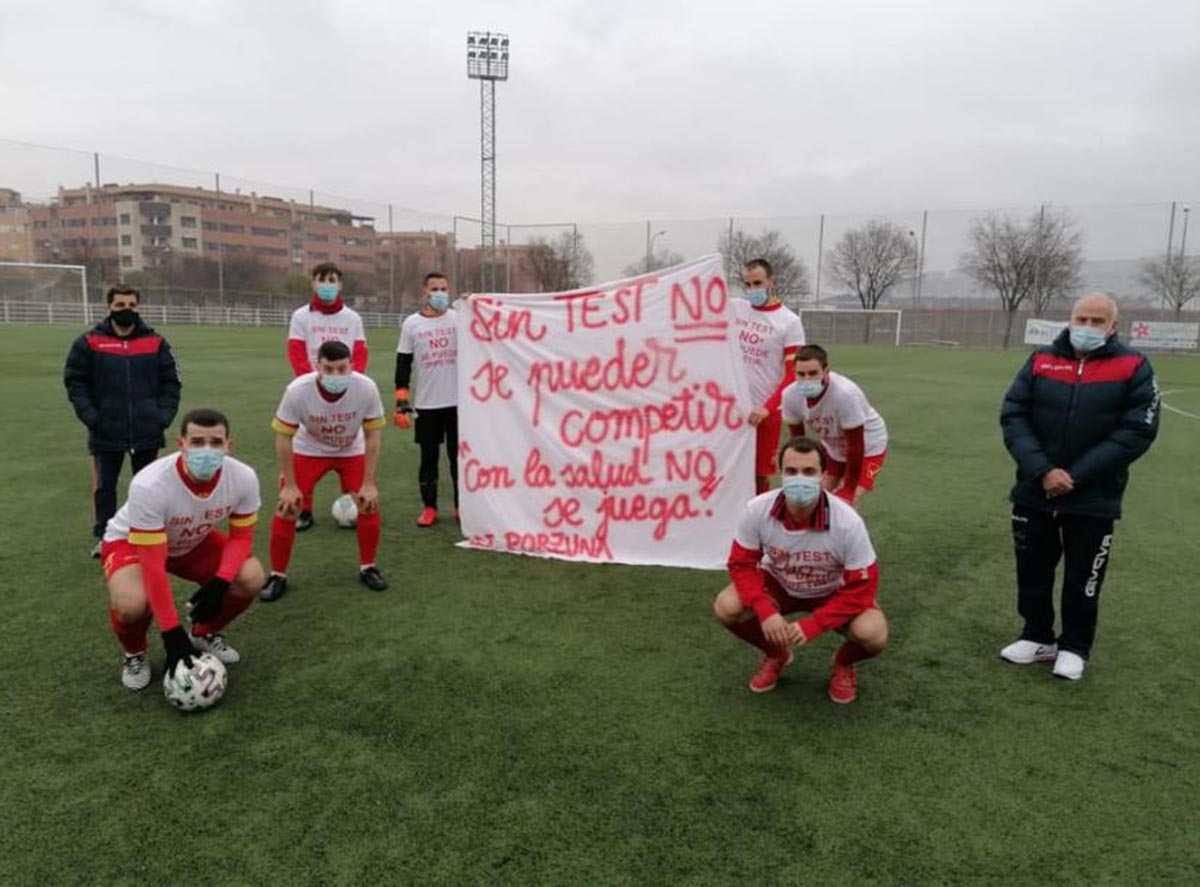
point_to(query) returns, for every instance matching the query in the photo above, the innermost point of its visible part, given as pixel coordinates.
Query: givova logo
(1093, 583)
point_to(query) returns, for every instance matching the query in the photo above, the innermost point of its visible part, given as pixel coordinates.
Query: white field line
(1167, 406)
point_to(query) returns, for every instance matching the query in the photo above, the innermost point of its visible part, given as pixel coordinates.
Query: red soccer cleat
(843, 684)
(428, 518)
(768, 672)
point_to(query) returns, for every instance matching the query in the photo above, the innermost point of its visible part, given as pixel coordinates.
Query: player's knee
(130, 610)
(870, 631)
(727, 606)
(250, 578)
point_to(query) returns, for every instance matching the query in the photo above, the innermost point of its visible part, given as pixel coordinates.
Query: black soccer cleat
(304, 521)
(275, 588)
(372, 578)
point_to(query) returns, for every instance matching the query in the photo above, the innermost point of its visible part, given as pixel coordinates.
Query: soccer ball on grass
(198, 687)
(345, 511)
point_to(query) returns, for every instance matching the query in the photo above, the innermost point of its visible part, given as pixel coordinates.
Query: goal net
(31, 292)
(825, 326)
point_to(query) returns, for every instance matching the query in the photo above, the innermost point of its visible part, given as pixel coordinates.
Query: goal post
(849, 326)
(32, 292)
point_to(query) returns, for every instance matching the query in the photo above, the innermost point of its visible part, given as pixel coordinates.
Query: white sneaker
(135, 673)
(1069, 665)
(215, 644)
(1028, 652)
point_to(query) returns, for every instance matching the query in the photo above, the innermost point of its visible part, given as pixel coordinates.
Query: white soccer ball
(345, 511)
(198, 687)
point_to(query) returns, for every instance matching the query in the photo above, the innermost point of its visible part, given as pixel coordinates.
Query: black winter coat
(1091, 415)
(125, 389)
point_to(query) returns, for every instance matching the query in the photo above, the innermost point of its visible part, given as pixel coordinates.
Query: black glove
(179, 648)
(205, 604)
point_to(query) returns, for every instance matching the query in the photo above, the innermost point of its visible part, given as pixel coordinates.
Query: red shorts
(198, 565)
(866, 477)
(784, 601)
(766, 448)
(310, 469)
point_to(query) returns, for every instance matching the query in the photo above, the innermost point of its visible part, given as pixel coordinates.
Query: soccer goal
(33, 292)
(850, 326)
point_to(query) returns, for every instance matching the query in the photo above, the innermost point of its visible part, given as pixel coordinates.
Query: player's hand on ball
(206, 602)
(778, 631)
(179, 648)
(757, 415)
(367, 498)
(291, 501)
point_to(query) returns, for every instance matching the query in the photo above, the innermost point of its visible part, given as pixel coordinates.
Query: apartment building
(16, 228)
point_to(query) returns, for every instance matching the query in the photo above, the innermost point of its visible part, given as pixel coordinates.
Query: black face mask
(124, 317)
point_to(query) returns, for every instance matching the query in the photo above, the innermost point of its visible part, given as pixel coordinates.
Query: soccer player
(430, 337)
(801, 549)
(168, 526)
(836, 410)
(123, 383)
(329, 420)
(769, 334)
(324, 319)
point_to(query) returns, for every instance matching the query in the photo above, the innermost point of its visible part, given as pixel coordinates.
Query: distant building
(16, 228)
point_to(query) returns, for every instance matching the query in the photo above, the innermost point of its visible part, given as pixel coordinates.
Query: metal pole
(217, 177)
(87, 308)
(96, 163)
(921, 258)
(1170, 246)
(1041, 256)
(1183, 238)
(820, 255)
(916, 253)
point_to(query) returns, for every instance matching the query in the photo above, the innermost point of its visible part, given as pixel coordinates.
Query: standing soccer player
(769, 334)
(430, 338)
(168, 526)
(329, 420)
(801, 549)
(324, 319)
(838, 412)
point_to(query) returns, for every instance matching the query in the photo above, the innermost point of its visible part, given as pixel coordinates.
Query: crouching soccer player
(329, 420)
(801, 549)
(168, 525)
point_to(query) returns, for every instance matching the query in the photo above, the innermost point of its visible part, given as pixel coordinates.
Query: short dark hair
(122, 290)
(813, 352)
(205, 417)
(325, 269)
(434, 275)
(760, 263)
(333, 350)
(802, 444)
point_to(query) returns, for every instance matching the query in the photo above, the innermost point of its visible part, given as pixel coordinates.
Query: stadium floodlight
(487, 62)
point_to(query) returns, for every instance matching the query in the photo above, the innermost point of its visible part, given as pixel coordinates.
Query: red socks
(850, 653)
(231, 607)
(283, 537)
(751, 632)
(369, 528)
(132, 635)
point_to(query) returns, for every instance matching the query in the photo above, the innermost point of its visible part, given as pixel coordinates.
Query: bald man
(1080, 411)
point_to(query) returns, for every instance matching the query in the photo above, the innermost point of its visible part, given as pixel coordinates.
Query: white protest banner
(606, 424)
(1162, 334)
(1042, 332)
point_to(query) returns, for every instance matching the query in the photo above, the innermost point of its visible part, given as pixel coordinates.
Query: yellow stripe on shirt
(243, 520)
(282, 427)
(372, 424)
(147, 537)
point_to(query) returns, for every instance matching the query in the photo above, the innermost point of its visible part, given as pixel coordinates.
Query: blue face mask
(757, 297)
(328, 292)
(801, 490)
(439, 300)
(1087, 338)
(811, 387)
(203, 462)
(335, 384)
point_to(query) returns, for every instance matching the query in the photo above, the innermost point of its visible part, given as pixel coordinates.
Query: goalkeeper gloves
(179, 648)
(205, 604)
(404, 409)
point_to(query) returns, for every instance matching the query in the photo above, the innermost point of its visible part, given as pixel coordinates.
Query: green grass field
(494, 719)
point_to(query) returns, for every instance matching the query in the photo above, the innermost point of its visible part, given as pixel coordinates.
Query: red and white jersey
(314, 328)
(764, 333)
(842, 405)
(164, 505)
(811, 562)
(433, 342)
(325, 425)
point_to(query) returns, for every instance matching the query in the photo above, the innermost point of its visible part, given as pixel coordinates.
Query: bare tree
(560, 263)
(1017, 259)
(791, 274)
(1175, 279)
(871, 259)
(660, 259)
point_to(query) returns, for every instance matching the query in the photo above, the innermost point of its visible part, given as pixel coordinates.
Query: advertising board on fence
(1162, 334)
(607, 424)
(1042, 332)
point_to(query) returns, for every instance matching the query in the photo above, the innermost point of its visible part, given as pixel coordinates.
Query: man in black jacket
(122, 381)
(1078, 413)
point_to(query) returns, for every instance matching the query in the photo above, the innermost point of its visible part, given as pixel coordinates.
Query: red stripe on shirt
(124, 347)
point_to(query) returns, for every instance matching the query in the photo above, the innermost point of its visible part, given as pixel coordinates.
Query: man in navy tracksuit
(122, 381)
(1078, 413)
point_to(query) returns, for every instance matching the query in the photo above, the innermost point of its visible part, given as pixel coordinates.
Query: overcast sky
(622, 110)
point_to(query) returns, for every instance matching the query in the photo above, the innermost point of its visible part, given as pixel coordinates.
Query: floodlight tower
(487, 62)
